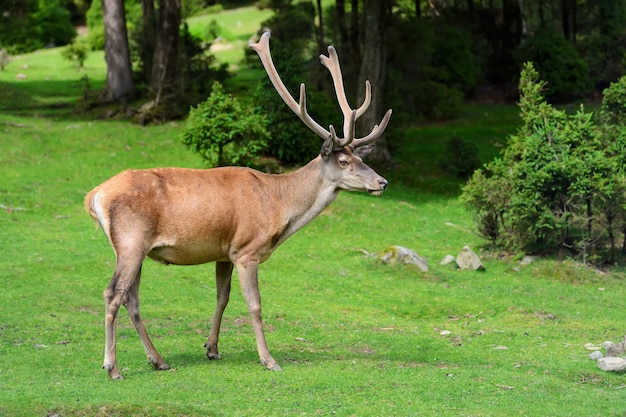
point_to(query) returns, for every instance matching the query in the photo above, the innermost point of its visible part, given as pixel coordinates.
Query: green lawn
(354, 337)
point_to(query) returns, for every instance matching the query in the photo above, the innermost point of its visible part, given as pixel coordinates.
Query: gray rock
(447, 260)
(527, 260)
(616, 350)
(595, 355)
(394, 255)
(467, 259)
(612, 364)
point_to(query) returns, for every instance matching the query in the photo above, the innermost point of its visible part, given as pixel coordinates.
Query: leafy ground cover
(354, 337)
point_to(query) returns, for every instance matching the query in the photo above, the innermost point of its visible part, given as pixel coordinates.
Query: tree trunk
(354, 27)
(373, 69)
(164, 64)
(148, 33)
(340, 7)
(320, 33)
(119, 81)
(565, 19)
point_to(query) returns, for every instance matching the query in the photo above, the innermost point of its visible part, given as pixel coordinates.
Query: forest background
(425, 56)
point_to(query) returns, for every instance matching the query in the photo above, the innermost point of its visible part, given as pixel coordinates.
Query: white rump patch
(103, 218)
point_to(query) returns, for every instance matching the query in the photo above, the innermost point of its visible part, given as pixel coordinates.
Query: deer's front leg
(249, 280)
(223, 274)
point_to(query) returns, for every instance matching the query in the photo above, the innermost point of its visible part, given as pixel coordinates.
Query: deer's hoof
(271, 366)
(275, 367)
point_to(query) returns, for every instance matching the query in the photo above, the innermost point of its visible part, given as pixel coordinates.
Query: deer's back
(188, 216)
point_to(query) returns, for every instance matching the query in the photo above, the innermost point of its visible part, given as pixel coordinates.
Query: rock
(527, 260)
(616, 350)
(612, 364)
(467, 259)
(607, 344)
(147, 106)
(595, 355)
(447, 260)
(394, 255)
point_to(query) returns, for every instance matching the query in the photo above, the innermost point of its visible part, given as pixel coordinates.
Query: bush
(557, 186)
(35, 25)
(95, 24)
(290, 140)
(76, 51)
(53, 24)
(566, 74)
(461, 158)
(224, 131)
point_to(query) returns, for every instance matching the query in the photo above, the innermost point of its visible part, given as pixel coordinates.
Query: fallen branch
(11, 209)
(11, 124)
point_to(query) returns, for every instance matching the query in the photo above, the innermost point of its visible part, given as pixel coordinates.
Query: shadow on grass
(28, 96)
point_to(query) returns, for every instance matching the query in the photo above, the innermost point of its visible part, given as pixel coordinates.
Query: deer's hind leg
(125, 274)
(131, 302)
(223, 274)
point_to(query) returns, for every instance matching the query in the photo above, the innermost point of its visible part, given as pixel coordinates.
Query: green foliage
(35, 24)
(95, 25)
(53, 23)
(290, 140)
(293, 21)
(613, 110)
(557, 185)
(432, 66)
(566, 74)
(76, 52)
(200, 7)
(224, 131)
(461, 159)
(604, 47)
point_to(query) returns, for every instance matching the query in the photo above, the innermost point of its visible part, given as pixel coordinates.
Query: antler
(331, 62)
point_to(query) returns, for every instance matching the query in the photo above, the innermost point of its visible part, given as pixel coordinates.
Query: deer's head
(342, 156)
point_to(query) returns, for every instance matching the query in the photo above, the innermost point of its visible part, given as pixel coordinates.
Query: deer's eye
(344, 163)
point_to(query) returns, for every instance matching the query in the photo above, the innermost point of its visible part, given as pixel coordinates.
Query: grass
(354, 337)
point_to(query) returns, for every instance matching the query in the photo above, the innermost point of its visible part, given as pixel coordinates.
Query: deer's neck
(304, 194)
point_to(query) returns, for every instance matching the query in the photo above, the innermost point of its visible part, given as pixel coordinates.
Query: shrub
(461, 159)
(76, 52)
(53, 23)
(290, 141)
(224, 131)
(566, 74)
(557, 186)
(35, 24)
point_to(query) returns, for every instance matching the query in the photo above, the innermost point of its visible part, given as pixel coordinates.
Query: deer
(233, 216)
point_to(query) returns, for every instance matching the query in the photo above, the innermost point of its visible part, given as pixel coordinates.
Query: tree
(225, 131)
(373, 69)
(164, 63)
(559, 185)
(119, 81)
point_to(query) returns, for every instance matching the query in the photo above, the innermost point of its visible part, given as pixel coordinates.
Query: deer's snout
(382, 183)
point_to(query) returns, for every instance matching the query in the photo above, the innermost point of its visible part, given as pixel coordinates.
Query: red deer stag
(231, 215)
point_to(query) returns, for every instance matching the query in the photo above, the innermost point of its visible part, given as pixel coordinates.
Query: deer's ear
(362, 151)
(327, 148)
